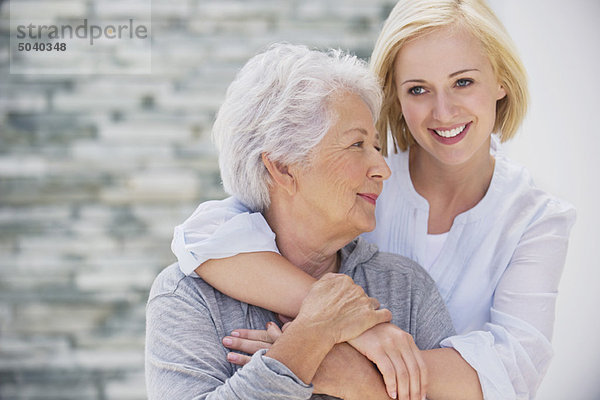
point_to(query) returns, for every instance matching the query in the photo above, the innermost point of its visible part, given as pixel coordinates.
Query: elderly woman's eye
(378, 148)
(358, 144)
(416, 90)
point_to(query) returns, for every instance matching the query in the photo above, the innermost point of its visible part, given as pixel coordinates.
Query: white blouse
(498, 269)
(433, 247)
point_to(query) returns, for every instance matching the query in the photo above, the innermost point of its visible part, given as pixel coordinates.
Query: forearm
(347, 374)
(264, 279)
(302, 350)
(450, 376)
(334, 311)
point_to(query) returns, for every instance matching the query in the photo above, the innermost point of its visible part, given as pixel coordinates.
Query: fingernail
(394, 395)
(235, 333)
(232, 357)
(227, 341)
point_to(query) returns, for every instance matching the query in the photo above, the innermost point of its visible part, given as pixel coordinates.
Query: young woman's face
(448, 93)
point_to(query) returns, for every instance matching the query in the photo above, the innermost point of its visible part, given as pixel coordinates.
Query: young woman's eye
(463, 82)
(416, 90)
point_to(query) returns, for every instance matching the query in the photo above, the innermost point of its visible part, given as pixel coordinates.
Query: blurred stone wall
(96, 170)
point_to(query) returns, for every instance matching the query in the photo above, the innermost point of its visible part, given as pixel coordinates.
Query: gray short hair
(278, 104)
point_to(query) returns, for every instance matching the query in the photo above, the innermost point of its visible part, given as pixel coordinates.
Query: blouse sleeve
(219, 229)
(512, 352)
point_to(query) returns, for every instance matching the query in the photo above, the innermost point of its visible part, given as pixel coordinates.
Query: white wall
(559, 42)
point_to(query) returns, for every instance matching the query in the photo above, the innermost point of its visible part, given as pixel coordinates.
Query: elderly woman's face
(346, 175)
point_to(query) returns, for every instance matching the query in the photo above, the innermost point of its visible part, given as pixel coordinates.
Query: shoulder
(216, 211)
(172, 282)
(363, 259)
(399, 266)
(167, 281)
(231, 204)
(521, 198)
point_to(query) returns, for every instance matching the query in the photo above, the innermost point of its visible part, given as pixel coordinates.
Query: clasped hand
(328, 303)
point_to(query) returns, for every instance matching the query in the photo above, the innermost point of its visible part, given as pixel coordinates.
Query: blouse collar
(480, 210)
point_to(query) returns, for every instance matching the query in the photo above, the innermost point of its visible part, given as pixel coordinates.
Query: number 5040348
(42, 46)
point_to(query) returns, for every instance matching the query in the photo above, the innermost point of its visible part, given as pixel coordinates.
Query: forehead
(349, 113)
(441, 51)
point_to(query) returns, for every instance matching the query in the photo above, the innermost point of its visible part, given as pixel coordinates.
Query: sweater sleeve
(185, 359)
(220, 229)
(512, 352)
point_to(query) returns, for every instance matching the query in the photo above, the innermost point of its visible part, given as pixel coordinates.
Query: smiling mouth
(370, 197)
(450, 133)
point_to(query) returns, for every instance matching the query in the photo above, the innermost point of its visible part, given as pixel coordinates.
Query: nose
(379, 170)
(444, 108)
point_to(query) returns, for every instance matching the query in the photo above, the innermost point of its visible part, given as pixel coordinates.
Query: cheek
(347, 182)
(332, 182)
(344, 180)
(411, 104)
(486, 97)
(413, 113)
(485, 103)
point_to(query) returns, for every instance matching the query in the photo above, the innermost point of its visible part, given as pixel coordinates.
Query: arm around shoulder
(234, 250)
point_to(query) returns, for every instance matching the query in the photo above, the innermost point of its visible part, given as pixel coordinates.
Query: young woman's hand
(250, 341)
(398, 359)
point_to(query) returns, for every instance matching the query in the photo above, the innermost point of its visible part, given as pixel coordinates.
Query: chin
(368, 227)
(453, 157)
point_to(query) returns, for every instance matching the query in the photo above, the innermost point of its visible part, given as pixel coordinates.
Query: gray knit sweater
(187, 319)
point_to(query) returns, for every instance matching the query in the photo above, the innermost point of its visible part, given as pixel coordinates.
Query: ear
(501, 92)
(282, 175)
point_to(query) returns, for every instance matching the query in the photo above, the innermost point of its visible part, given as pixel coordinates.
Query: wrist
(302, 349)
(318, 332)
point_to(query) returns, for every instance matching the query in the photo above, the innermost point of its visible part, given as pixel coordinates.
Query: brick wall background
(96, 170)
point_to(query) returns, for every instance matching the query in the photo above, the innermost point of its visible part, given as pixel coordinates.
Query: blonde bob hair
(413, 18)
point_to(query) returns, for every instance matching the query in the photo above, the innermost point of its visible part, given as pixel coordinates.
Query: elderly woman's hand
(398, 359)
(389, 347)
(344, 373)
(339, 309)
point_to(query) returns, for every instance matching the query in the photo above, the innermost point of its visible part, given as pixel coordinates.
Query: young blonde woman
(495, 244)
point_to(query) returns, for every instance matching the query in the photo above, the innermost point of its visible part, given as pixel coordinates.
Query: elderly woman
(297, 142)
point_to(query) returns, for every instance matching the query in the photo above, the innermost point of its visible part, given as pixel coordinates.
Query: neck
(300, 241)
(450, 189)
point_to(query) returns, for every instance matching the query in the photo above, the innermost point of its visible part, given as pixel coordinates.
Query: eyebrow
(363, 131)
(462, 71)
(452, 75)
